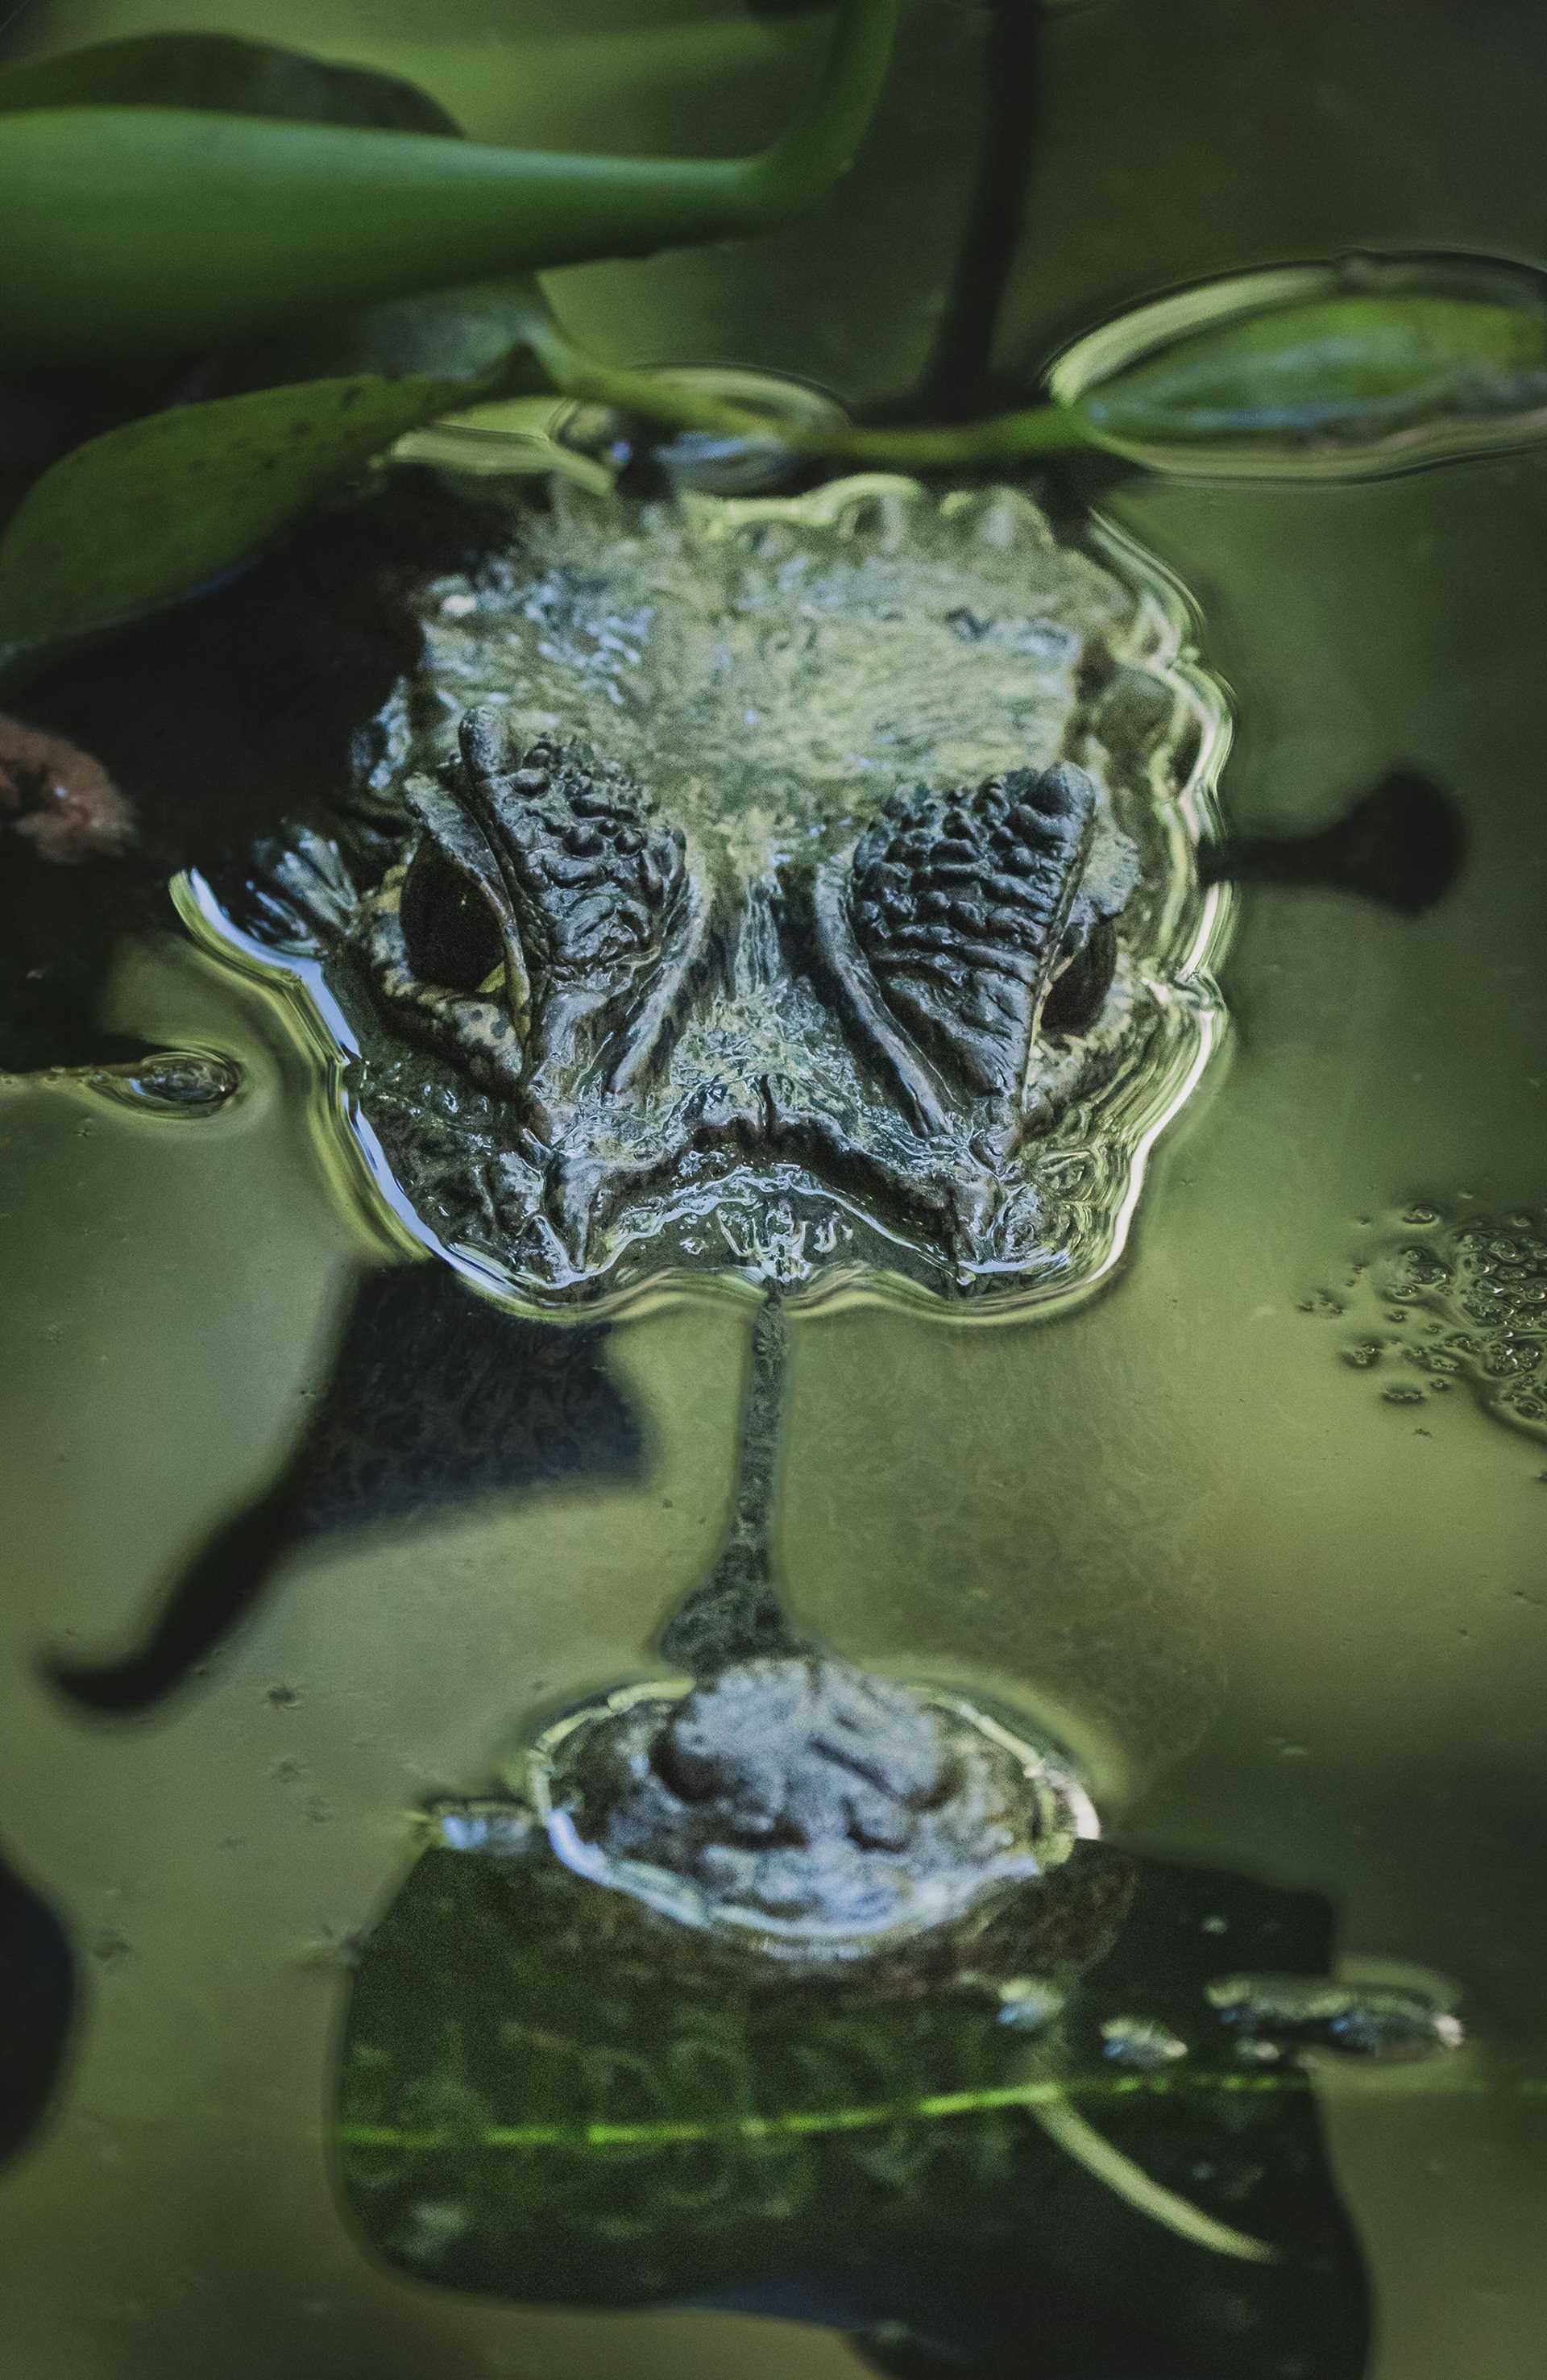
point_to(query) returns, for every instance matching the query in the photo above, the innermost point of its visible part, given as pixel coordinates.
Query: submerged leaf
(160, 507)
(1346, 371)
(549, 2095)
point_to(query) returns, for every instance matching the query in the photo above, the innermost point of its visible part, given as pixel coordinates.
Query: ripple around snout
(771, 671)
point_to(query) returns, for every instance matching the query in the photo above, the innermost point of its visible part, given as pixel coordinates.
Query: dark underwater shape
(1401, 845)
(837, 2154)
(37, 2007)
(436, 1399)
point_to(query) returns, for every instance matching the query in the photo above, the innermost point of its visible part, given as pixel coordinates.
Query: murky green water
(1289, 1607)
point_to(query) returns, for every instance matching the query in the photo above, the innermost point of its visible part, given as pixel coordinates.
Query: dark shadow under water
(946, 2238)
(37, 2009)
(437, 1400)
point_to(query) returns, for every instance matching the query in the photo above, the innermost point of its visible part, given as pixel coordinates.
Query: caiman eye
(449, 930)
(1073, 1003)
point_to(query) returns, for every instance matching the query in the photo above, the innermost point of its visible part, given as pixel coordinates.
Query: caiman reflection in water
(1054, 2162)
(801, 1991)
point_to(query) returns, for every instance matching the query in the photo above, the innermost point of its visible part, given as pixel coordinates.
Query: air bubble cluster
(1431, 1296)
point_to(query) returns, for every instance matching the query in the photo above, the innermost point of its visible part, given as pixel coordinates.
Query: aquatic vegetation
(170, 502)
(1319, 371)
(295, 215)
(333, 192)
(686, 2126)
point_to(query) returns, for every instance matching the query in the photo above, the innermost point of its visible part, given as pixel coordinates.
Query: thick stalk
(140, 230)
(819, 142)
(956, 378)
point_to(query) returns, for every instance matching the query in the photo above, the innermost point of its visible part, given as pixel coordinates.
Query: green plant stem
(790, 2123)
(819, 142)
(931, 2107)
(140, 230)
(653, 397)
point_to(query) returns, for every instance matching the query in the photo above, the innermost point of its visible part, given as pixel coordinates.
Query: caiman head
(790, 896)
(889, 1024)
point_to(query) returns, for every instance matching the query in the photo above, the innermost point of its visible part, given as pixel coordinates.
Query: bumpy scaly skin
(796, 1794)
(935, 939)
(585, 894)
(701, 1049)
(593, 876)
(962, 901)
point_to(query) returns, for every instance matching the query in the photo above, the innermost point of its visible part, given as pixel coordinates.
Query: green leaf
(1353, 368)
(145, 229)
(218, 72)
(158, 508)
(42, 414)
(451, 333)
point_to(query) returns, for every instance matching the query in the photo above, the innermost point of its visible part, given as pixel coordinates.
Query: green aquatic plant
(167, 195)
(1348, 365)
(141, 228)
(163, 505)
(659, 2103)
(349, 268)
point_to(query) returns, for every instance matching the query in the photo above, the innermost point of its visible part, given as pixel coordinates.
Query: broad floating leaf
(1352, 365)
(45, 412)
(1313, 370)
(160, 506)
